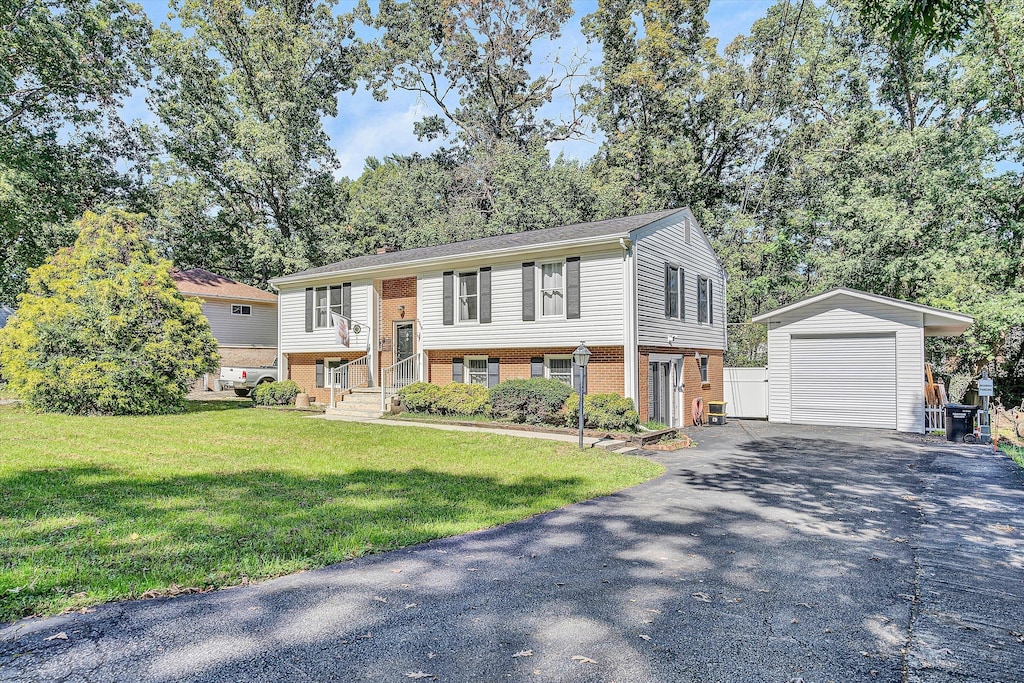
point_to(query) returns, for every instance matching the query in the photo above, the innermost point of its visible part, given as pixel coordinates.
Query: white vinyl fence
(746, 392)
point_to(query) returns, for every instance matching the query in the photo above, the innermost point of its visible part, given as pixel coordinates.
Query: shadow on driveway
(768, 553)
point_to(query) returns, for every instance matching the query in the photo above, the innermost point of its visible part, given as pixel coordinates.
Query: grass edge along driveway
(94, 509)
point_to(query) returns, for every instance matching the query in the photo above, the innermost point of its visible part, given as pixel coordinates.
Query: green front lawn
(96, 508)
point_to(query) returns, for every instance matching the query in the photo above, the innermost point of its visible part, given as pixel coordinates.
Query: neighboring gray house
(850, 358)
(243, 319)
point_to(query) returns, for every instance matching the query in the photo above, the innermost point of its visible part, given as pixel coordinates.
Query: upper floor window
(674, 297)
(552, 289)
(241, 309)
(705, 301)
(468, 297)
(321, 307)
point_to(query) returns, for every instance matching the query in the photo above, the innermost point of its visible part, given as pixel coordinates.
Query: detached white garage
(853, 359)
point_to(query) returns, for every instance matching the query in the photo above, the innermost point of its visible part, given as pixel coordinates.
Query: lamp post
(581, 356)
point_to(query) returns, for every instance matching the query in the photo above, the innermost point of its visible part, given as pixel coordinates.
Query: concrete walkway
(588, 442)
(769, 553)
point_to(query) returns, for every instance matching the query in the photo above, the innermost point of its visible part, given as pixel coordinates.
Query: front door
(404, 344)
(660, 392)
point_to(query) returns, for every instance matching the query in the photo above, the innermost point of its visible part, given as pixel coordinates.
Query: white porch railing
(401, 374)
(351, 375)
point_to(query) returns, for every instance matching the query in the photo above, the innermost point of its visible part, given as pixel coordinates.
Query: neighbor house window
(704, 369)
(674, 292)
(476, 370)
(468, 298)
(552, 289)
(559, 367)
(241, 309)
(704, 300)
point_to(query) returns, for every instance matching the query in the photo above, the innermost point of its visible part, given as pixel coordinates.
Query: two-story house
(645, 293)
(243, 318)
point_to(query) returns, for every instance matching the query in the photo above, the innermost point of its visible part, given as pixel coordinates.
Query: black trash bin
(959, 421)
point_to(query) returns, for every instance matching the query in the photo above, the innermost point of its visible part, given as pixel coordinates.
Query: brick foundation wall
(395, 293)
(713, 390)
(302, 369)
(605, 373)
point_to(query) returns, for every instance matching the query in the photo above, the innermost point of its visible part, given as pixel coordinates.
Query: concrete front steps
(357, 403)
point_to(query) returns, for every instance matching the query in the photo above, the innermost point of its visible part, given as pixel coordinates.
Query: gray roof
(611, 228)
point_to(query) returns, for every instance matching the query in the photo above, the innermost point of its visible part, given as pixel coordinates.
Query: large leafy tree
(65, 66)
(104, 329)
(241, 89)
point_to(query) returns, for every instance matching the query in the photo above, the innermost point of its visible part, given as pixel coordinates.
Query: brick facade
(713, 390)
(302, 369)
(393, 294)
(605, 372)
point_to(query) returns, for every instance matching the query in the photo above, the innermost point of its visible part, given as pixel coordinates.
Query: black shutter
(485, 295)
(320, 373)
(493, 372)
(448, 292)
(668, 291)
(529, 292)
(537, 366)
(711, 305)
(346, 300)
(309, 309)
(682, 293)
(572, 287)
(457, 374)
(335, 302)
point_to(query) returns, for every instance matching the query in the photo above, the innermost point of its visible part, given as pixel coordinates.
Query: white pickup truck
(242, 380)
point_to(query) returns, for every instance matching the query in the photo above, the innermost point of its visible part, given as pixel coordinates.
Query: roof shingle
(203, 283)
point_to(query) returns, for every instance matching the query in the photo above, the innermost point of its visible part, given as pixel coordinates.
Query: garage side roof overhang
(938, 322)
(413, 260)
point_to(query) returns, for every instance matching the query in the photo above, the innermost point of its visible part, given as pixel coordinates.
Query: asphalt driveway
(769, 553)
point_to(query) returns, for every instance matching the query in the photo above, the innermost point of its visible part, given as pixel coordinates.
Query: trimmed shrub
(420, 397)
(275, 393)
(603, 411)
(530, 401)
(461, 399)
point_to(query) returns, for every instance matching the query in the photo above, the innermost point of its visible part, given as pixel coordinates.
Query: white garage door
(844, 380)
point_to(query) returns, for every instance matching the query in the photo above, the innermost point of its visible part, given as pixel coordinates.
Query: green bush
(530, 401)
(461, 399)
(603, 411)
(275, 393)
(103, 328)
(420, 397)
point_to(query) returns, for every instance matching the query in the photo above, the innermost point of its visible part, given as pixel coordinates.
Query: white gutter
(225, 297)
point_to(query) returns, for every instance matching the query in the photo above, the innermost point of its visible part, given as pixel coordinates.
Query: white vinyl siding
(295, 339)
(258, 329)
(664, 243)
(850, 317)
(844, 379)
(601, 308)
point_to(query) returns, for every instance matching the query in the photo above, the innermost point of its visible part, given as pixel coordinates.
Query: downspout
(630, 349)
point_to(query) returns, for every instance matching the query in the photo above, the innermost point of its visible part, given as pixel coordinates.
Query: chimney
(385, 250)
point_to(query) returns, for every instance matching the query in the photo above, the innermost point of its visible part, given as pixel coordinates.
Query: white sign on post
(985, 388)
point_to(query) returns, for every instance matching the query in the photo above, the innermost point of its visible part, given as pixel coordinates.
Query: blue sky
(365, 127)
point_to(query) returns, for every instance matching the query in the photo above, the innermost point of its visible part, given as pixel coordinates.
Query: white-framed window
(559, 367)
(552, 289)
(475, 369)
(322, 308)
(704, 369)
(705, 302)
(675, 292)
(468, 297)
(241, 309)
